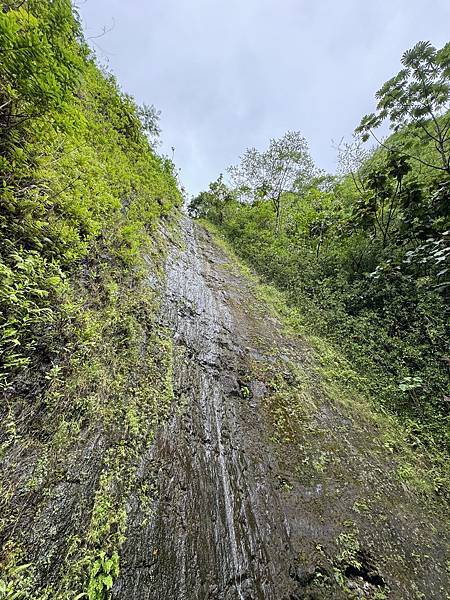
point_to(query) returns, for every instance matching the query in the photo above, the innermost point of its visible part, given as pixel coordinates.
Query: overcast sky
(231, 74)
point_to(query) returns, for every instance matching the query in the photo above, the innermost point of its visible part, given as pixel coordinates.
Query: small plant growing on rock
(104, 570)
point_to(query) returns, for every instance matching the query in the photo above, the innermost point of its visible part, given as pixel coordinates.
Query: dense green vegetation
(82, 195)
(364, 255)
(76, 168)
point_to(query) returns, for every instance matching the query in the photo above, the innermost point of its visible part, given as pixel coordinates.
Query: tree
(418, 98)
(211, 204)
(284, 167)
(384, 184)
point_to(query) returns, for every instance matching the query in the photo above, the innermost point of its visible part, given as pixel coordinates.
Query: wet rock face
(218, 530)
(267, 484)
(240, 514)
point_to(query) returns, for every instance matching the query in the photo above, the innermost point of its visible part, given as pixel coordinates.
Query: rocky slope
(268, 488)
(218, 460)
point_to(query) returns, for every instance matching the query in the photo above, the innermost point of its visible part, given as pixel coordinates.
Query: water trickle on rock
(216, 507)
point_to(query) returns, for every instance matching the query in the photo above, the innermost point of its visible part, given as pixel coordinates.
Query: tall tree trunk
(278, 214)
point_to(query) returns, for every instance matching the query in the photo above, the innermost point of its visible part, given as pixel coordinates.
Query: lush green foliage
(365, 255)
(76, 167)
(82, 195)
(418, 97)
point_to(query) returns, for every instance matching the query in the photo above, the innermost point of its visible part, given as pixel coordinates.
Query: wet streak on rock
(218, 530)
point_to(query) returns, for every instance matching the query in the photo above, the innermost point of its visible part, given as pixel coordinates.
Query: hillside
(250, 405)
(84, 365)
(275, 479)
(240, 461)
(363, 254)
